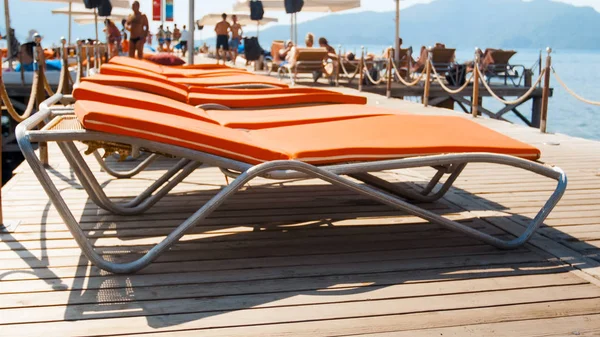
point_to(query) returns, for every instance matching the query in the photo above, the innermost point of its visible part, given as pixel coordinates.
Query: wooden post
(388, 91)
(79, 61)
(40, 91)
(409, 63)
(338, 66)
(475, 97)
(546, 92)
(427, 78)
(361, 69)
(88, 66)
(66, 88)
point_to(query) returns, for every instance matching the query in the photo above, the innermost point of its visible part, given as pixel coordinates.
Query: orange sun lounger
(230, 98)
(227, 79)
(168, 71)
(330, 151)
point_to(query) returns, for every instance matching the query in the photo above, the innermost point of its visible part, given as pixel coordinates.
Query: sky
(32, 12)
(203, 7)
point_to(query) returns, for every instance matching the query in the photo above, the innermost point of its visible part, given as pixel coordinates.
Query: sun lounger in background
(496, 63)
(306, 61)
(328, 151)
(118, 89)
(276, 60)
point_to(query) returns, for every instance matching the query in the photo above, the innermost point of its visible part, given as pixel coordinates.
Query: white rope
(587, 101)
(517, 101)
(408, 84)
(441, 82)
(381, 78)
(346, 71)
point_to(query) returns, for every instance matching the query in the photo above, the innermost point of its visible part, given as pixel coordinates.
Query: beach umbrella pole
(8, 34)
(96, 22)
(192, 25)
(70, 19)
(397, 42)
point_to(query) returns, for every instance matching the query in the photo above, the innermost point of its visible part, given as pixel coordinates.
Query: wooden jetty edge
(308, 259)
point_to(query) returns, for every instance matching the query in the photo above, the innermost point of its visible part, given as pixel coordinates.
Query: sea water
(579, 69)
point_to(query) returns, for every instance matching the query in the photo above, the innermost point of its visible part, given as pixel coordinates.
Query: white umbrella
(89, 19)
(243, 19)
(79, 9)
(309, 6)
(114, 3)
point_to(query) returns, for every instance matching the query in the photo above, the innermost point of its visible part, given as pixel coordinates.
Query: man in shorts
(222, 29)
(236, 38)
(185, 35)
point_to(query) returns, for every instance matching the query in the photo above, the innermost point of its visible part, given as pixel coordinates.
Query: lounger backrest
(142, 84)
(310, 59)
(119, 70)
(266, 91)
(135, 63)
(276, 46)
(443, 55)
(176, 130)
(90, 91)
(502, 57)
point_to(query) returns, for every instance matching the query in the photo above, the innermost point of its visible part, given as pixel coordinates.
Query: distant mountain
(461, 24)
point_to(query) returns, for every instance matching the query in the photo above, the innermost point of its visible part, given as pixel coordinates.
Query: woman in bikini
(137, 24)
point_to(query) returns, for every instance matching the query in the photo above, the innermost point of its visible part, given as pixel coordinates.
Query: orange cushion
(119, 70)
(361, 139)
(143, 84)
(90, 91)
(229, 81)
(273, 100)
(268, 118)
(261, 91)
(389, 137)
(136, 63)
(185, 72)
(175, 130)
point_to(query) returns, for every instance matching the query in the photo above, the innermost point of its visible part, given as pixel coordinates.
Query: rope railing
(370, 78)
(518, 100)
(571, 92)
(346, 72)
(447, 89)
(403, 81)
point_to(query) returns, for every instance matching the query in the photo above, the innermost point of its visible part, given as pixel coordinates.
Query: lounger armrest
(37, 118)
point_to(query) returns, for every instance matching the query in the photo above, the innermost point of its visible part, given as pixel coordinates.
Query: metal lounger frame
(375, 188)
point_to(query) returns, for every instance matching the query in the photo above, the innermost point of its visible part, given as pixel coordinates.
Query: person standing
(222, 29)
(114, 36)
(176, 33)
(137, 24)
(160, 38)
(236, 38)
(168, 38)
(185, 35)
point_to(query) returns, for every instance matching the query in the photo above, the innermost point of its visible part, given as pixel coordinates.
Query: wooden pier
(302, 258)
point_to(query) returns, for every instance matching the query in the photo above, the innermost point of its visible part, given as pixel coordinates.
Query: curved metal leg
(127, 174)
(308, 170)
(140, 203)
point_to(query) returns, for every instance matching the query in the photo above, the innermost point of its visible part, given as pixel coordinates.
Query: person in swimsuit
(160, 37)
(236, 37)
(137, 24)
(168, 38)
(222, 29)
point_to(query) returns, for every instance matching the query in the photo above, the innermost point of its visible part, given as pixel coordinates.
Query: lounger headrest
(135, 63)
(91, 91)
(176, 130)
(162, 88)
